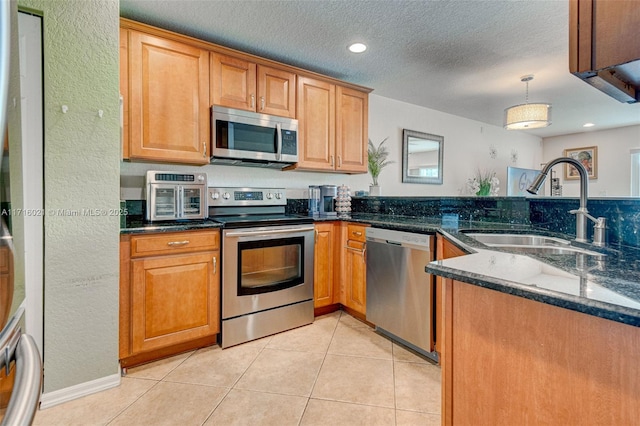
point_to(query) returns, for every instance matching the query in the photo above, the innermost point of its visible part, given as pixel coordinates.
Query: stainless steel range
(267, 263)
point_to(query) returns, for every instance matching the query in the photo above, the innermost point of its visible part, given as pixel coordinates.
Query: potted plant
(377, 161)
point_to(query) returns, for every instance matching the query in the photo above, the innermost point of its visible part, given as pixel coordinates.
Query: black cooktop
(255, 220)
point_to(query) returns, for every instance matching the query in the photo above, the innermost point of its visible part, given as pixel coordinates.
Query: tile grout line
(320, 369)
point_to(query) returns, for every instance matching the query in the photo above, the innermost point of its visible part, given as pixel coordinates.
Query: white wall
(467, 145)
(81, 163)
(614, 160)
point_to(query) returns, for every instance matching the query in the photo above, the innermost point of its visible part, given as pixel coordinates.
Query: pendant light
(527, 116)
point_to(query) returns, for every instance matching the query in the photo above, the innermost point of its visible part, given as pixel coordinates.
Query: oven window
(165, 202)
(191, 202)
(270, 265)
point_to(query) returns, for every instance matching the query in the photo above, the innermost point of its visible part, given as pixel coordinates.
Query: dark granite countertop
(135, 224)
(604, 286)
(607, 287)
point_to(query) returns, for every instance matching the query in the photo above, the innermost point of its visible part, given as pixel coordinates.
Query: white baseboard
(50, 399)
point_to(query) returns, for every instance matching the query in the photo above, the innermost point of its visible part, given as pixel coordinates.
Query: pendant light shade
(527, 116)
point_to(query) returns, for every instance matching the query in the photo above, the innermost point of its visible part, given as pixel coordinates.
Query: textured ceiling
(461, 57)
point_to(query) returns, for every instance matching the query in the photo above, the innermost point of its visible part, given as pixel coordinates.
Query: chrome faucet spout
(582, 213)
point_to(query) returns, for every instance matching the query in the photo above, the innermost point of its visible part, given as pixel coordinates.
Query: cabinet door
(233, 82)
(169, 100)
(444, 250)
(352, 112)
(323, 293)
(276, 92)
(356, 279)
(316, 124)
(602, 34)
(174, 299)
(124, 90)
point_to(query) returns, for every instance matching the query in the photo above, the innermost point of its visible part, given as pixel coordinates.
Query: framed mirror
(421, 157)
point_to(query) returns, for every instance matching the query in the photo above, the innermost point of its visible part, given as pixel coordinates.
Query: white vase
(374, 190)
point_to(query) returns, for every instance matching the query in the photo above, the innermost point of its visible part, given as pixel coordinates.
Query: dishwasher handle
(399, 244)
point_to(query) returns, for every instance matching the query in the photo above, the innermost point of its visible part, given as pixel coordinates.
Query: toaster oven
(175, 196)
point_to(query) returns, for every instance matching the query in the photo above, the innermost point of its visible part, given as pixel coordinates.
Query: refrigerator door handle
(28, 382)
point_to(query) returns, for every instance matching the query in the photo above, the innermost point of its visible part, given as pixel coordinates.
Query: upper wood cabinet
(332, 127)
(604, 46)
(167, 94)
(242, 84)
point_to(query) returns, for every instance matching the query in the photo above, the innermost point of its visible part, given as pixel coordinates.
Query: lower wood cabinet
(169, 294)
(325, 257)
(354, 277)
(444, 250)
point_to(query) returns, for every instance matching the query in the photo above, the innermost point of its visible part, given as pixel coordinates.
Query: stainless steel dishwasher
(399, 291)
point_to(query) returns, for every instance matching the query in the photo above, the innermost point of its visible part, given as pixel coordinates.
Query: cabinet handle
(339, 161)
(215, 265)
(204, 149)
(316, 238)
(253, 101)
(261, 103)
(357, 233)
(332, 161)
(363, 251)
(177, 243)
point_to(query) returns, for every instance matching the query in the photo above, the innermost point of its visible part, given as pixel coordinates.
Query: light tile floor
(334, 371)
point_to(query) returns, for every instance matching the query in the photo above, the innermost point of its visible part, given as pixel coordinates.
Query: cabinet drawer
(174, 242)
(356, 232)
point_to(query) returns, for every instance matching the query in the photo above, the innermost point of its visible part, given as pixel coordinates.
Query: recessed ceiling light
(357, 47)
(588, 125)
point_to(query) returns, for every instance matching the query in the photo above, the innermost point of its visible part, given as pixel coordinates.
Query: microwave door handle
(178, 211)
(278, 141)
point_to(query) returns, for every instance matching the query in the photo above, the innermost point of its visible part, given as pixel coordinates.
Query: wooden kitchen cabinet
(332, 127)
(169, 294)
(240, 83)
(604, 46)
(602, 34)
(354, 278)
(324, 261)
(445, 249)
(166, 90)
(510, 360)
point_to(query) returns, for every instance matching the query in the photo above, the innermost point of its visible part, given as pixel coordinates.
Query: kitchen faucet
(599, 229)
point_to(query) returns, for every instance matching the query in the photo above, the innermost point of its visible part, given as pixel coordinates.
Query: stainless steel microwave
(257, 139)
(176, 196)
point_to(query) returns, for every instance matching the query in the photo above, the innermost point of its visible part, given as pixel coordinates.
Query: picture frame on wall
(588, 156)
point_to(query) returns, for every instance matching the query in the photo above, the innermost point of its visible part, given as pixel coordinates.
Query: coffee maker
(327, 205)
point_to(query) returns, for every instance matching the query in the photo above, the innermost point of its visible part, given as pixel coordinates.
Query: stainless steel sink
(527, 243)
(496, 240)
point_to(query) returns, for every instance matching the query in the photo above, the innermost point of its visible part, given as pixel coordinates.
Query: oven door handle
(268, 231)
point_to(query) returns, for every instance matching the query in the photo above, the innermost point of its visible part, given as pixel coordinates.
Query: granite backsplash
(622, 214)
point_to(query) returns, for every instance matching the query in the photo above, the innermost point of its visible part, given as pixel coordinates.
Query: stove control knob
(269, 195)
(226, 195)
(200, 178)
(278, 195)
(215, 195)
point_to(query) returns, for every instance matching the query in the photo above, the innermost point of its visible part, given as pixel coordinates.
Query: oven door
(162, 202)
(192, 203)
(265, 268)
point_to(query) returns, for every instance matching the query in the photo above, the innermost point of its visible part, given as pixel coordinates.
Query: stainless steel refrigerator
(20, 363)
